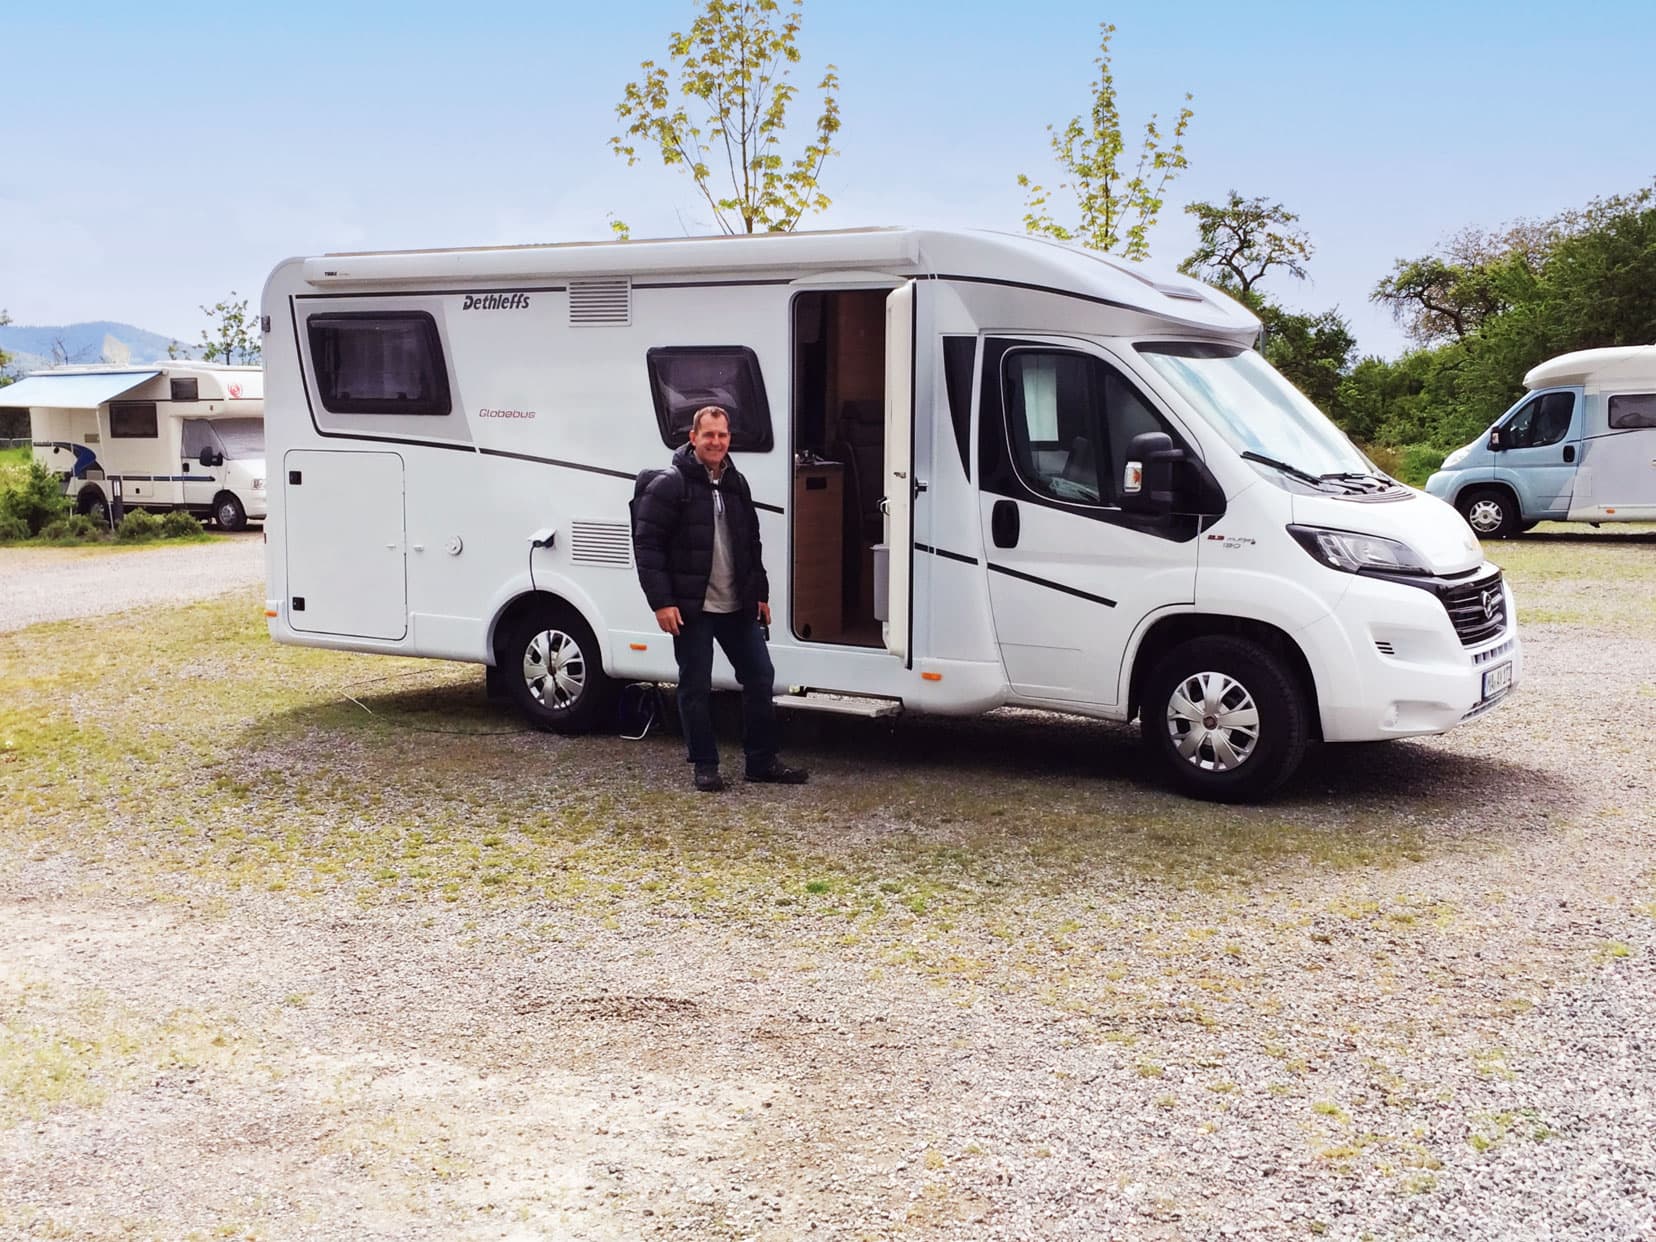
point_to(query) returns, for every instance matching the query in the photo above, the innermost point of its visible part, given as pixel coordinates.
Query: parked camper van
(159, 436)
(1579, 446)
(989, 470)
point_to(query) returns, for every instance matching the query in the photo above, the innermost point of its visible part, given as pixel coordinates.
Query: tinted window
(959, 353)
(186, 388)
(132, 420)
(1544, 420)
(1633, 410)
(387, 363)
(198, 435)
(1070, 419)
(684, 379)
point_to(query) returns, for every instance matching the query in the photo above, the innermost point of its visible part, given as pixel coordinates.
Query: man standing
(696, 540)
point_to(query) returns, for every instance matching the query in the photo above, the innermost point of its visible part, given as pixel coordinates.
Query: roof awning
(72, 392)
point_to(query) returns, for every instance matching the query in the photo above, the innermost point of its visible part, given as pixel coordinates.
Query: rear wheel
(550, 663)
(91, 502)
(1491, 512)
(1225, 717)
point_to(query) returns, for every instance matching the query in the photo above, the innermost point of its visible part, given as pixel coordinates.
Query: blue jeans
(738, 633)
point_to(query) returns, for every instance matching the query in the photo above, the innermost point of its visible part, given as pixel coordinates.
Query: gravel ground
(59, 584)
(1458, 1045)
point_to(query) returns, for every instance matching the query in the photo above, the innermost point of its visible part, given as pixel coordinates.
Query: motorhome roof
(980, 255)
(1625, 363)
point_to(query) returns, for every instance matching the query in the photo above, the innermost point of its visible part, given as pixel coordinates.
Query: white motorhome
(990, 470)
(156, 436)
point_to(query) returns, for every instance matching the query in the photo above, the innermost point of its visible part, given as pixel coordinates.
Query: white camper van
(990, 470)
(157, 436)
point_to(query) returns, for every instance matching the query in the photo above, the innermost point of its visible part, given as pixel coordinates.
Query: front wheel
(228, 511)
(1226, 718)
(550, 663)
(1491, 512)
(91, 502)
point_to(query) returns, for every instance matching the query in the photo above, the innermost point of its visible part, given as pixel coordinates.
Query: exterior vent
(596, 303)
(601, 543)
(1384, 647)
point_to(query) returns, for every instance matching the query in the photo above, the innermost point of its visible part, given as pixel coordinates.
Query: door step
(840, 704)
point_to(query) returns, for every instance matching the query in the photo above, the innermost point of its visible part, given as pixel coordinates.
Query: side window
(132, 420)
(685, 378)
(389, 362)
(1632, 410)
(959, 356)
(1541, 421)
(1070, 418)
(198, 435)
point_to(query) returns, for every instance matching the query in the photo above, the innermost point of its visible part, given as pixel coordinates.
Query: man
(696, 539)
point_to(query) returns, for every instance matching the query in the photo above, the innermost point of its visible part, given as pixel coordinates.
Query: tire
(228, 512)
(91, 502)
(1252, 733)
(550, 663)
(1524, 528)
(1491, 512)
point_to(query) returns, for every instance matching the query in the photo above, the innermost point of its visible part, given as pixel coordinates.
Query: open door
(899, 470)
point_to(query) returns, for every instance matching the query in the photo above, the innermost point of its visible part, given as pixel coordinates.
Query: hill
(33, 348)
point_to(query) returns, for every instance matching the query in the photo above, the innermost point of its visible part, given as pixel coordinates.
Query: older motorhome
(991, 470)
(156, 436)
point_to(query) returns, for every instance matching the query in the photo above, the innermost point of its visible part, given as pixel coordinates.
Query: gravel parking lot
(338, 975)
(58, 584)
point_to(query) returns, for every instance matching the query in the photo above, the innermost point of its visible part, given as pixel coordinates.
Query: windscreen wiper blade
(1302, 475)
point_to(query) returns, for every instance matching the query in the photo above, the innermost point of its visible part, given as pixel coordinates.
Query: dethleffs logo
(495, 301)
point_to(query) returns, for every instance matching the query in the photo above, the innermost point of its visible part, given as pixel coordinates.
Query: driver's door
(1539, 447)
(1070, 574)
(201, 483)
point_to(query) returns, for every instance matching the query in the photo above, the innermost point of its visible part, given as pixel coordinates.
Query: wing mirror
(210, 458)
(1147, 478)
(1495, 440)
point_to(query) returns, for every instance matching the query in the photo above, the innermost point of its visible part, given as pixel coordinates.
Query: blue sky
(157, 157)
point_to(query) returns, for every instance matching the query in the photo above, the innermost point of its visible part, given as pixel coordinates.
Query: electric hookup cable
(415, 728)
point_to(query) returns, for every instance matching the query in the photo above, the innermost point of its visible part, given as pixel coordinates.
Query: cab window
(1541, 421)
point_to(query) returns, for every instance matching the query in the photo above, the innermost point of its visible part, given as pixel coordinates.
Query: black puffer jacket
(673, 537)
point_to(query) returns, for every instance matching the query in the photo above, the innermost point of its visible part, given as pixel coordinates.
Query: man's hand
(670, 621)
(764, 614)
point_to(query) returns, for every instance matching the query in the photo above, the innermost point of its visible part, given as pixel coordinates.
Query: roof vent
(594, 303)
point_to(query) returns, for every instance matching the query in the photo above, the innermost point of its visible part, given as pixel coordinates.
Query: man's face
(711, 440)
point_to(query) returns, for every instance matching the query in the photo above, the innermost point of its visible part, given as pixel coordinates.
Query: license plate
(1497, 680)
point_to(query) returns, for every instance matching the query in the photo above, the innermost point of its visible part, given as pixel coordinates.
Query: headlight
(1454, 459)
(1351, 552)
(258, 485)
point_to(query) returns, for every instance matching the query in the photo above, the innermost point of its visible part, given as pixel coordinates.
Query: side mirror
(1495, 440)
(1147, 477)
(206, 457)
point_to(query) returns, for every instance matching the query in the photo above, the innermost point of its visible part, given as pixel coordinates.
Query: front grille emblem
(1491, 603)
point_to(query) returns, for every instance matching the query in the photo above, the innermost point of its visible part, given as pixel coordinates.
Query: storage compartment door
(346, 564)
(899, 470)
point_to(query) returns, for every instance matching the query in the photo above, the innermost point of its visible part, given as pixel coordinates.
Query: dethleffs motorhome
(990, 470)
(1579, 446)
(156, 436)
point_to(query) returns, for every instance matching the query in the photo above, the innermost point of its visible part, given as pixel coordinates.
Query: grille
(600, 543)
(593, 302)
(1476, 609)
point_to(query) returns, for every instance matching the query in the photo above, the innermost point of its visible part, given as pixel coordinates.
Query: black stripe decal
(553, 461)
(757, 504)
(1021, 284)
(946, 555)
(1055, 586)
(439, 293)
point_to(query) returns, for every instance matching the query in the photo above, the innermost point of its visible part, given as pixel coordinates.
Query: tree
(1116, 211)
(1447, 296)
(1244, 238)
(232, 338)
(731, 105)
(6, 376)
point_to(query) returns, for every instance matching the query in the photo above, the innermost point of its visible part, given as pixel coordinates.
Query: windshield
(241, 437)
(1244, 398)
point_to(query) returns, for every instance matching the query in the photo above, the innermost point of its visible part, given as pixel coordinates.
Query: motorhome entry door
(346, 571)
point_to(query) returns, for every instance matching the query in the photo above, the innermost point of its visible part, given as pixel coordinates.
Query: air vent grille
(595, 303)
(601, 543)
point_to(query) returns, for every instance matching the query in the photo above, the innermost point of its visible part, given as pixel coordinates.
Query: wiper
(1295, 471)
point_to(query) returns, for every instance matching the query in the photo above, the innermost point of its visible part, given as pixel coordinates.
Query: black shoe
(708, 779)
(779, 773)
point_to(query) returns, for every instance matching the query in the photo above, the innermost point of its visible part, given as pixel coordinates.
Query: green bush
(180, 525)
(76, 528)
(12, 529)
(1419, 462)
(37, 500)
(138, 526)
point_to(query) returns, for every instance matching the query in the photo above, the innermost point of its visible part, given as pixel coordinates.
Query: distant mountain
(33, 349)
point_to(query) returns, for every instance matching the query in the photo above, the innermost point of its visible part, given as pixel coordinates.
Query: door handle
(1004, 523)
(1569, 452)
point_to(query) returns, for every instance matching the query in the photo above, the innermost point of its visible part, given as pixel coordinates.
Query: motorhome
(156, 436)
(1578, 446)
(991, 470)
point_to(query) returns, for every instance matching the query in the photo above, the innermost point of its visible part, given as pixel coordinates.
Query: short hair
(707, 411)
